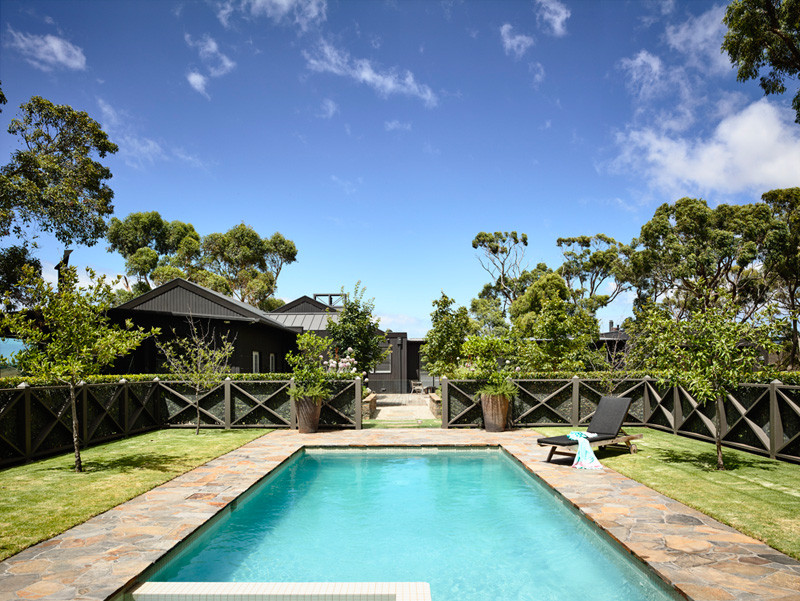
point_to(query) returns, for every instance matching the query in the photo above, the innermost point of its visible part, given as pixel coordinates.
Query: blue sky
(382, 136)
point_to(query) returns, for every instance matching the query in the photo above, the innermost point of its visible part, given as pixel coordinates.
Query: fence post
(357, 384)
(126, 427)
(576, 401)
(292, 410)
(445, 403)
(26, 399)
(646, 400)
(676, 412)
(775, 428)
(226, 387)
(84, 413)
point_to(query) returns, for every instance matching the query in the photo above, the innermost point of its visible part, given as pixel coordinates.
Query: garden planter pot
(307, 415)
(495, 412)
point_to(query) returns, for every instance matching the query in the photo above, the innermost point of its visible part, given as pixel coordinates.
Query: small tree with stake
(67, 334)
(709, 352)
(199, 358)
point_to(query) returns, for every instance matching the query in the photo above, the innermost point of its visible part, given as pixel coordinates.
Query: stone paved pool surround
(701, 558)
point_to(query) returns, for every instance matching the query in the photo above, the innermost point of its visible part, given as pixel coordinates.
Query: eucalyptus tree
(688, 252)
(782, 259)
(503, 258)
(765, 35)
(590, 262)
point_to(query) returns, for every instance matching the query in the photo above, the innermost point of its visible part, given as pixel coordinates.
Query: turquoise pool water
(472, 523)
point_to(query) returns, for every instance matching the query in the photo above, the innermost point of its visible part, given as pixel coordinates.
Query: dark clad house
(393, 375)
(260, 342)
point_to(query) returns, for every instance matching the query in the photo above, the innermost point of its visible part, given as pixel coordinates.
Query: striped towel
(584, 458)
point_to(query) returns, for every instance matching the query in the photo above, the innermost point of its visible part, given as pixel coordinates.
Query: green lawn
(754, 494)
(42, 499)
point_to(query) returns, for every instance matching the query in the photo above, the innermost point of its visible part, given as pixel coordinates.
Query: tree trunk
(197, 404)
(76, 443)
(718, 436)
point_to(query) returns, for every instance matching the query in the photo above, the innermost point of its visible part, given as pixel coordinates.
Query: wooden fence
(36, 421)
(760, 418)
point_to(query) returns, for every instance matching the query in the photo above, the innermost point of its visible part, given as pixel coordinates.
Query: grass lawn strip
(42, 499)
(756, 495)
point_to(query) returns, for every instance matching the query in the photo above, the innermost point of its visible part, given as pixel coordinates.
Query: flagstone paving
(701, 558)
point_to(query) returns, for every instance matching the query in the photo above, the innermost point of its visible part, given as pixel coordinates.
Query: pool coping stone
(701, 558)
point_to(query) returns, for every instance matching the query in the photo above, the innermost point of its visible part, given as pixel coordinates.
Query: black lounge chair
(606, 423)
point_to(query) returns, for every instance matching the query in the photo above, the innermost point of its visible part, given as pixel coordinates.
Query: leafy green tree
(201, 358)
(554, 332)
(589, 263)
(148, 243)
(707, 352)
(487, 314)
(15, 261)
(765, 34)
(450, 326)
(248, 263)
(782, 260)
(503, 259)
(688, 252)
(53, 181)
(358, 330)
(67, 334)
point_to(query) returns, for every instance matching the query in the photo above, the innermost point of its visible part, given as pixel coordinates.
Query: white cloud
(328, 59)
(537, 70)
(346, 186)
(514, 44)
(224, 12)
(700, 39)
(665, 94)
(396, 125)
(46, 52)
(645, 73)
(750, 151)
(553, 14)
(138, 151)
(216, 62)
(303, 13)
(329, 109)
(198, 81)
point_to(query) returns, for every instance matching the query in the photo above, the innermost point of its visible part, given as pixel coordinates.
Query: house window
(385, 367)
(256, 362)
(272, 362)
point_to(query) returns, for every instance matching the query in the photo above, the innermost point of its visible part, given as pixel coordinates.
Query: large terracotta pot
(495, 412)
(307, 415)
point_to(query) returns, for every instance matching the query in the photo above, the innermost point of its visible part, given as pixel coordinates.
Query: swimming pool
(472, 523)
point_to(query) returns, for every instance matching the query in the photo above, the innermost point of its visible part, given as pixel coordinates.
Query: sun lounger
(606, 424)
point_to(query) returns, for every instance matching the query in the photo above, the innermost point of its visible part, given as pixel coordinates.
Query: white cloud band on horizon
(325, 58)
(516, 44)
(751, 151)
(46, 52)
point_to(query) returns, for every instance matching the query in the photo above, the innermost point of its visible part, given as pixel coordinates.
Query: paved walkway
(403, 408)
(705, 560)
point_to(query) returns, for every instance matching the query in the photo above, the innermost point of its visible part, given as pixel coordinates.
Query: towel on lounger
(584, 458)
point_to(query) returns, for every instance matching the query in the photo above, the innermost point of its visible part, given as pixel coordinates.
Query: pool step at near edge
(282, 591)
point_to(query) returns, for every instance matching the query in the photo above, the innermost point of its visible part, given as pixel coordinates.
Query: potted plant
(311, 385)
(487, 364)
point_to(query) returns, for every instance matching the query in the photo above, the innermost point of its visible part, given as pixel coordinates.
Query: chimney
(610, 325)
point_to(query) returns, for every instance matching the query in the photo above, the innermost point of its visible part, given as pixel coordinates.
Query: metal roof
(181, 297)
(316, 322)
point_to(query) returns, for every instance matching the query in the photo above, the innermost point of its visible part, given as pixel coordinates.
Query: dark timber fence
(761, 418)
(36, 421)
